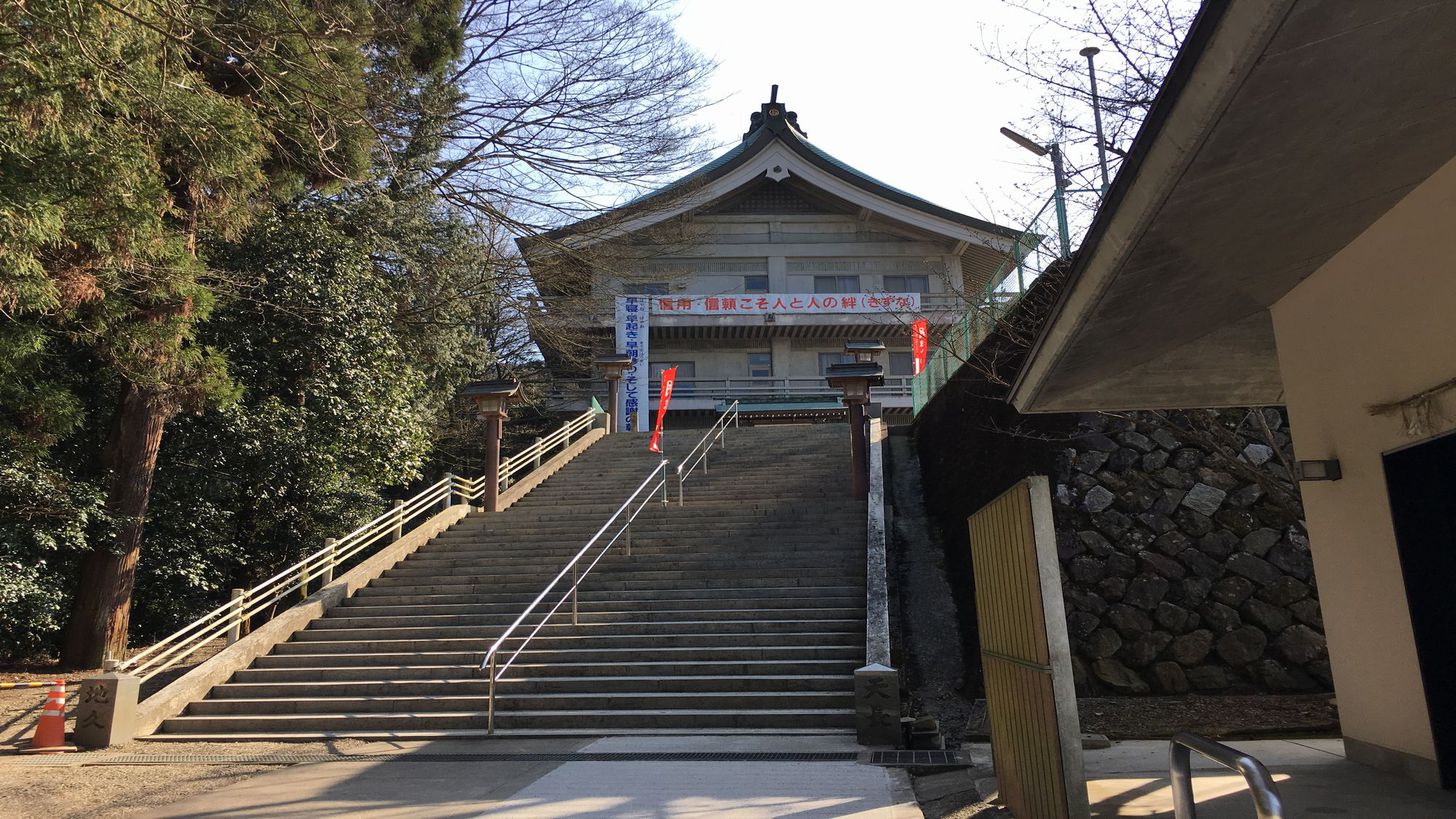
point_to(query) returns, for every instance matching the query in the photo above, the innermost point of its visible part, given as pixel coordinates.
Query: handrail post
(449, 491)
(1181, 780)
(398, 531)
(235, 613)
(679, 485)
(536, 463)
(331, 545)
(629, 539)
(1267, 803)
(302, 581)
(490, 700)
(664, 481)
(575, 584)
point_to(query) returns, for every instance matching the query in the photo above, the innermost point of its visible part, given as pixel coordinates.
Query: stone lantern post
(855, 380)
(612, 366)
(491, 398)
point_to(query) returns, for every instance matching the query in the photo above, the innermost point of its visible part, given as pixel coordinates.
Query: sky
(896, 89)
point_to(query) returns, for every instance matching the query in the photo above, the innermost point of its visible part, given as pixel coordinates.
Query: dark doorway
(1422, 485)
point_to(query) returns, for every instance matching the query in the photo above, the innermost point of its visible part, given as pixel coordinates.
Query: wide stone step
(372, 596)
(676, 546)
(636, 562)
(561, 627)
(585, 721)
(357, 618)
(534, 685)
(608, 701)
(725, 529)
(615, 606)
(549, 641)
(582, 671)
(575, 654)
(628, 580)
(643, 553)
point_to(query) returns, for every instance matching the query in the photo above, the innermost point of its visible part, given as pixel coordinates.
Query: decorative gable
(768, 197)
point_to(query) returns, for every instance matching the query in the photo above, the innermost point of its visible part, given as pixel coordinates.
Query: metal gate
(1035, 737)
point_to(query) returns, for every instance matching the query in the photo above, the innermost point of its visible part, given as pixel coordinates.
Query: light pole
(855, 381)
(1090, 52)
(612, 365)
(491, 398)
(1059, 175)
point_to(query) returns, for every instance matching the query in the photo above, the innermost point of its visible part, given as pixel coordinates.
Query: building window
(686, 370)
(902, 364)
(907, 284)
(645, 289)
(755, 284)
(836, 284)
(760, 365)
(826, 359)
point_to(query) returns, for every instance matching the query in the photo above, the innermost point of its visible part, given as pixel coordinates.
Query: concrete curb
(192, 686)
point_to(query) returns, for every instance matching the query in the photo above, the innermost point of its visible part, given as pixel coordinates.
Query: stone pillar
(493, 427)
(106, 710)
(877, 705)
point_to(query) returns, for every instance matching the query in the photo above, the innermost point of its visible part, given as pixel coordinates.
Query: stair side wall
(218, 669)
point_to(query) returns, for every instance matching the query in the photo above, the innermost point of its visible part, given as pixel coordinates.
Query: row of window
(822, 284)
(760, 365)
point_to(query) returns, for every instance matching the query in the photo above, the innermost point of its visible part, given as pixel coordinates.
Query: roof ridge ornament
(774, 116)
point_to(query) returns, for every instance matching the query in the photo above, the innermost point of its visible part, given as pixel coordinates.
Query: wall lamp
(1318, 470)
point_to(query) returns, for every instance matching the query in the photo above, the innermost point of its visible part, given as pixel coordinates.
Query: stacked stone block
(1179, 573)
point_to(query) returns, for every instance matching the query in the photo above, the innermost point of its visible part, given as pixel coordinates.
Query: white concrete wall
(728, 358)
(791, 250)
(1375, 324)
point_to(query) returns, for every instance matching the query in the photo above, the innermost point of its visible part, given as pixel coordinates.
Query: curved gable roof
(775, 124)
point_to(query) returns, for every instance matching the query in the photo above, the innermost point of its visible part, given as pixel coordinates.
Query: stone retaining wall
(1185, 568)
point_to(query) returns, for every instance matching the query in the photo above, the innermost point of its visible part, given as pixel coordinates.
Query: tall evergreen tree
(135, 129)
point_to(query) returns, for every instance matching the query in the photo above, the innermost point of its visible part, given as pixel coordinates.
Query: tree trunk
(101, 611)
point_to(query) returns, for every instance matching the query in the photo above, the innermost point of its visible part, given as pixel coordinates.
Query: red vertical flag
(669, 375)
(920, 343)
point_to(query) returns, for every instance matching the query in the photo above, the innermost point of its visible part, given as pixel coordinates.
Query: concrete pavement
(579, 789)
(1313, 777)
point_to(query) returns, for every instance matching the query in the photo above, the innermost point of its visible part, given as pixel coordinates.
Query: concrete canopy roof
(1284, 130)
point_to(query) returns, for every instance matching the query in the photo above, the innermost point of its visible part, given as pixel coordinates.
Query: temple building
(750, 273)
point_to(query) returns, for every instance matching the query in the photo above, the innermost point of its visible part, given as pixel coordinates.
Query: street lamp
(855, 381)
(865, 351)
(613, 364)
(491, 399)
(1059, 175)
(1090, 52)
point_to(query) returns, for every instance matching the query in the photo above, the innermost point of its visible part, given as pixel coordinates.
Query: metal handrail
(715, 434)
(491, 663)
(1267, 804)
(228, 619)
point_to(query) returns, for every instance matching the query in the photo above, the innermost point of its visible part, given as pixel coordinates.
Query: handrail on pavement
(1267, 804)
(699, 453)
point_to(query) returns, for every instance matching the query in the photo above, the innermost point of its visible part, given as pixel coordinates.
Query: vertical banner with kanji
(919, 343)
(669, 376)
(632, 340)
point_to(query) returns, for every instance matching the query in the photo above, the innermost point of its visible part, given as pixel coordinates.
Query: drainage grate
(910, 759)
(296, 759)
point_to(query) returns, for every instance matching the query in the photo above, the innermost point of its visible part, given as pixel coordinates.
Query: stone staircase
(742, 611)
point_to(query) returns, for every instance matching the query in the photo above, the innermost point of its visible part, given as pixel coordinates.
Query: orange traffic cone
(50, 732)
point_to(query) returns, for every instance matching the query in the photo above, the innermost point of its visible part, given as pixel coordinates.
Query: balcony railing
(939, 307)
(748, 389)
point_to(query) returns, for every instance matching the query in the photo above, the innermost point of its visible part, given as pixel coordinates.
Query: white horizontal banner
(785, 303)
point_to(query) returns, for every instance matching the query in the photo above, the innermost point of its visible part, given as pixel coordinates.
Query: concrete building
(759, 265)
(1281, 234)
